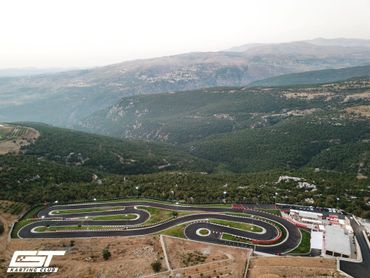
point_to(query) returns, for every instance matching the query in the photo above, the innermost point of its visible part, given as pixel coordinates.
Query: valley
(76, 166)
(190, 164)
(252, 129)
(198, 144)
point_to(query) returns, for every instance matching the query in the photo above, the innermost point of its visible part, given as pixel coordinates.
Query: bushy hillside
(184, 117)
(107, 154)
(25, 177)
(252, 129)
(68, 166)
(327, 141)
(261, 187)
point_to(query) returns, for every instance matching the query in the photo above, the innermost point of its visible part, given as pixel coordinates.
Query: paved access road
(358, 269)
(194, 222)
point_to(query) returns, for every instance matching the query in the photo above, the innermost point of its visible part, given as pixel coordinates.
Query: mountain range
(314, 77)
(197, 124)
(66, 98)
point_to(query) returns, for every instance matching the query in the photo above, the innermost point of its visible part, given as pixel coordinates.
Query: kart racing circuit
(265, 232)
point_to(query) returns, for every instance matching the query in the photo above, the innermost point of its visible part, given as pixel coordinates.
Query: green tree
(157, 266)
(106, 253)
(1, 228)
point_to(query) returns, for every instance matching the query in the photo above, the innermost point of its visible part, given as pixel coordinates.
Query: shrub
(157, 266)
(106, 253)
(1, 228)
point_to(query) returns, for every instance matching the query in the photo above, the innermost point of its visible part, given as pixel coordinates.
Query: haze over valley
(83, 92)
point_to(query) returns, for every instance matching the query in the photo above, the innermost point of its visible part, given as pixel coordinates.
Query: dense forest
(111, 155)
(194, 146)
(190, 187)
(329, 141)
(46, 171)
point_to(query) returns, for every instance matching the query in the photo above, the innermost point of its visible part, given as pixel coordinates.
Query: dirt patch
(307, 96)
(9, 212)
(15, 137)
(11, 146)
(363, 110)
(131, 257)
(194, 259)
(303, 112)
(7, 219)
(271, 267)
(358, 96)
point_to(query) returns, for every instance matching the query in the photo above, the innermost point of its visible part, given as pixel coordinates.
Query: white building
(337, 243)
(306, 185)
(317, 240)
(288, 178)
(306, 214)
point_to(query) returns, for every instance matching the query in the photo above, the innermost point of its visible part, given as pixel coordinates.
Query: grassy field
(129, 216)
(177, 231)
(226, 236)
(87, 210)
(273, 211)
(305, 245)
(238, 225)
(203, 232)
(213, 205)
(66, 228)
(158, 215)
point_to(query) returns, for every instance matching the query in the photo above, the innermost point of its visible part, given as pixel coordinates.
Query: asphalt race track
(271, 240)
(358, 269)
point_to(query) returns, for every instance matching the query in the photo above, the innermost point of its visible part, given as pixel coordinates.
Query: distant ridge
(30, 71)
(314, 77)
(66, 98)
(341, 42)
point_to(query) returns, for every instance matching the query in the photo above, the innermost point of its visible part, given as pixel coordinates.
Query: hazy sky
(84, 33)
